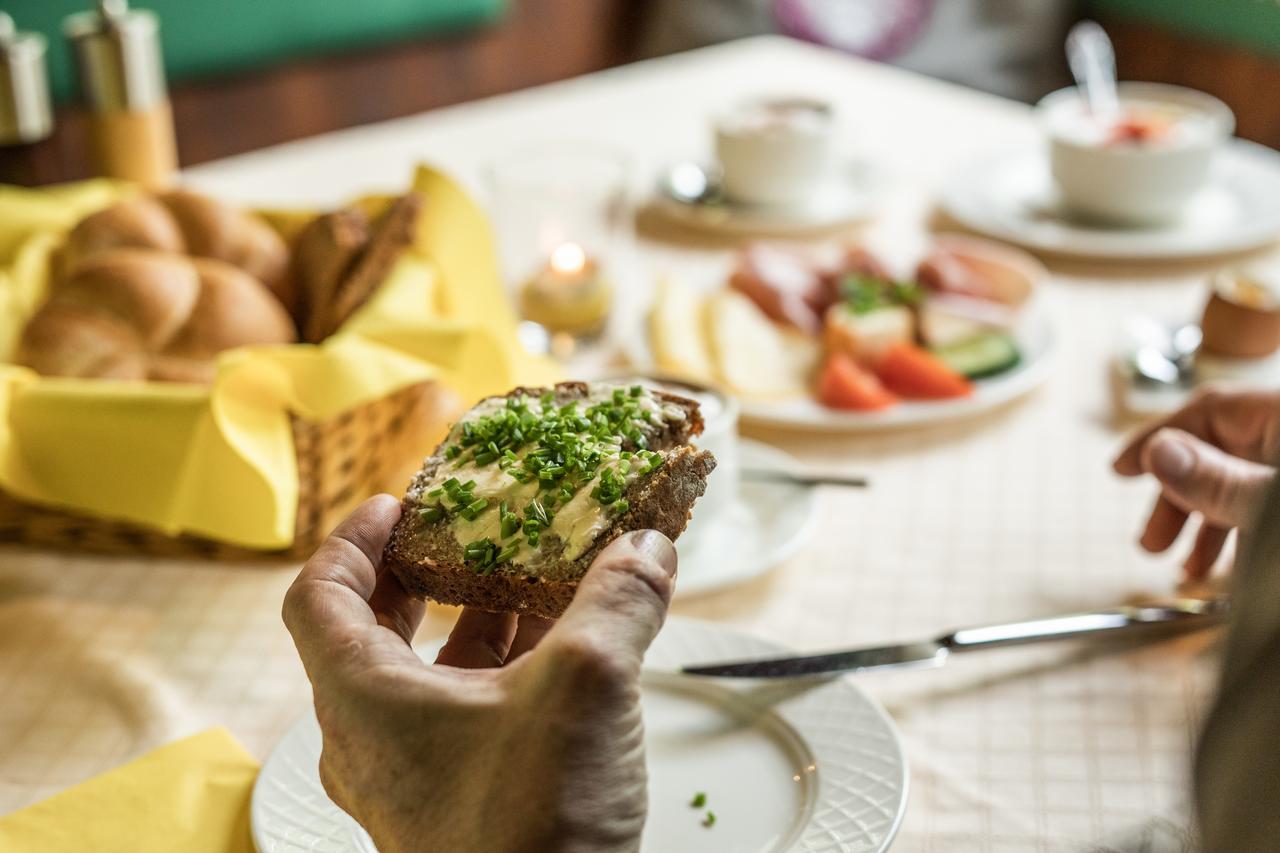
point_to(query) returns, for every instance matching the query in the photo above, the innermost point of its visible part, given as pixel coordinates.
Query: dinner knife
(1181, 614)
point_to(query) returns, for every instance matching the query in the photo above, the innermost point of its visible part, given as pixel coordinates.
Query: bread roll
(184, 222)
(139, 314)
(139, 222)
(151, 292)
(230, 312)
(217, 230)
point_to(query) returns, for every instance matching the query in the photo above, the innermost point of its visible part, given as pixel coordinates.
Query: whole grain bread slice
(430, 563)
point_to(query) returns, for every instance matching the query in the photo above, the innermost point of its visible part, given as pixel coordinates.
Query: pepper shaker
(117, 51)
(27, 152)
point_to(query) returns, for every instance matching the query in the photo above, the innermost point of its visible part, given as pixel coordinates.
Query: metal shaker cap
(26, 113)
(117, 52)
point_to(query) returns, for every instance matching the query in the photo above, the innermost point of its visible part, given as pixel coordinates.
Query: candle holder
(559, 212)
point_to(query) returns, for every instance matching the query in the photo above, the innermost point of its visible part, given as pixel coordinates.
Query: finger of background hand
(1163, 526)
(620, 604)
(1190, 418)
(1199, 477)
(1204, 553)
(529, 632)
(479, 639)
(332, 590)
(394, 608)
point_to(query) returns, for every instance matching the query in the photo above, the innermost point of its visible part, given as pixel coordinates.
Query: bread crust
(429, 563)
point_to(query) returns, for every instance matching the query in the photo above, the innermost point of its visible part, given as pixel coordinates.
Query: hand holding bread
(549, 713)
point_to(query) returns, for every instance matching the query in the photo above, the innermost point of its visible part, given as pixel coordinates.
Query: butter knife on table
(1180, 614)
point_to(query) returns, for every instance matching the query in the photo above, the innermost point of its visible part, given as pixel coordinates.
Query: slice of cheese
(676, 332)
(754, 356)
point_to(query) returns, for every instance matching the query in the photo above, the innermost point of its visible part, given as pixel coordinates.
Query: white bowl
(1141, 184)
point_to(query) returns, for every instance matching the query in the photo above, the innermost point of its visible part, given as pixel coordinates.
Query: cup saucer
(768, 524)
(689, 193)
(1010, 196)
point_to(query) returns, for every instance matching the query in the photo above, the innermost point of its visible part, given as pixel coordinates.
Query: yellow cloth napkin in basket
(220, 461)
(191, 795)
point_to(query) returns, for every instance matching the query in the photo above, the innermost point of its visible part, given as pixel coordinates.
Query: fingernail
(653, 544)
(1170, 458)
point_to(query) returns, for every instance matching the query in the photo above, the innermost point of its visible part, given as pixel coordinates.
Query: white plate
(1036, 340)
(1010, 196)
(814, 768)
(853, 195)
(768, 524)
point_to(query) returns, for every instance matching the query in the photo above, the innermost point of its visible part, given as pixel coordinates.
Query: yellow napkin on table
(192, 795)
(219, 461)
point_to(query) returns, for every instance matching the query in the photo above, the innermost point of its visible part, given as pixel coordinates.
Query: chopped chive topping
(710, 820)
(699, 800)
(555, 450)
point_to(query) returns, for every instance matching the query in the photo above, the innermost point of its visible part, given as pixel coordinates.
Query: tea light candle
(568, 294)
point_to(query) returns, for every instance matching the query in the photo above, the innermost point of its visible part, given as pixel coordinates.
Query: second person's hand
(1213, 457)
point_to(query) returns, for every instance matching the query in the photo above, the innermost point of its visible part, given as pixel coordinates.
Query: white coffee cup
(1133, 184)
(774, 151)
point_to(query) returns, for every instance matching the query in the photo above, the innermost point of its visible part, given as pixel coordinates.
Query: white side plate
(1010, 196)
(853, 194)
(768, 524)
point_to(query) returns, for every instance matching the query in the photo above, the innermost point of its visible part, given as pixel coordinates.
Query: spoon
(1093, 63)
(1173, 362)
(690, 183)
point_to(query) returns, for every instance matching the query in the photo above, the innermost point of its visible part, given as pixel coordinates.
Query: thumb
(1199, 477)
(619, 607)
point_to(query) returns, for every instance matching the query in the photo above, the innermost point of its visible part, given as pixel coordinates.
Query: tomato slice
(909, 371)
(845, 385)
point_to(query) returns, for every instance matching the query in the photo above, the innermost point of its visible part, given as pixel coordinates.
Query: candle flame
(568, 258)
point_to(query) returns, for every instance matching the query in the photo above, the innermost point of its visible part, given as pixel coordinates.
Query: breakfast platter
(841, 340)
(777, 767)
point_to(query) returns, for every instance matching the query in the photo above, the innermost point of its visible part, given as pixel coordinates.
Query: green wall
(212, 37)
(1251, 23)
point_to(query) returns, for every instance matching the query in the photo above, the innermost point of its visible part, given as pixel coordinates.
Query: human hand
(525, 735)
(1213, 456)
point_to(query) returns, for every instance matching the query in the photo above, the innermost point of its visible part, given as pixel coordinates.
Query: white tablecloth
(1008, 516)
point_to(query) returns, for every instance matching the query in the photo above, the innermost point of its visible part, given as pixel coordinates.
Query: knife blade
(1183, 614)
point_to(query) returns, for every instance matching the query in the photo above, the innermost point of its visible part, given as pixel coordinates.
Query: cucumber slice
(982, 356)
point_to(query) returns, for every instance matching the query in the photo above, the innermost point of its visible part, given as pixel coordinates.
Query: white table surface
(1009, 516)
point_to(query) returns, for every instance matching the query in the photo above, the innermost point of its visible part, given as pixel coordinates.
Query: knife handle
(1189, 613)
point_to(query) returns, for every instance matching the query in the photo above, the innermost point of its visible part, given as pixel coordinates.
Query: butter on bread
(510, 510)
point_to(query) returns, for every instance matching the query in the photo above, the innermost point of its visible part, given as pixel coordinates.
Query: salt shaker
(27, 152)
(117, 51)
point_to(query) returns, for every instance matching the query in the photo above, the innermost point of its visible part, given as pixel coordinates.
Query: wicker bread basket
(341, 461)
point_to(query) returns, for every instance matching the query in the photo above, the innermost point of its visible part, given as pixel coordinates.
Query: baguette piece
(428, 550)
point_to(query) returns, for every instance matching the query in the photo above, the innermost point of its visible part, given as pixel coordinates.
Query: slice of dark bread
(430, 561)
